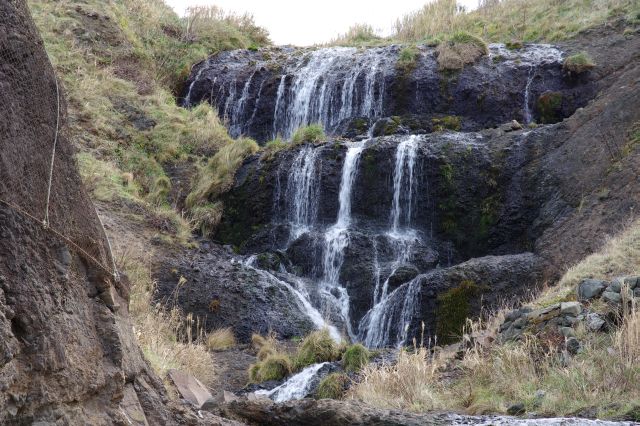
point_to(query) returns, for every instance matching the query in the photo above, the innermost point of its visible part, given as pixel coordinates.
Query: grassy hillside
(503, 21)
(121, 63)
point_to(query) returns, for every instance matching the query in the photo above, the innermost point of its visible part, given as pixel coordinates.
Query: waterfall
(374, 328)
(297, 387)
(336, 238)
(526, 110)
(403, 177)
(187, 98)
(301, 297)
(302, 192)
(331, 85)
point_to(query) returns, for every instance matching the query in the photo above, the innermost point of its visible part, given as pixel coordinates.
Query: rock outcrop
(263, 92)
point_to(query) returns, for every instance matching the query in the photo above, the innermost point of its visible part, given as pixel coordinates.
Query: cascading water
(336, 238)
(297, 387)
(302, 192)
(375, 327)
(526, 109)
(301, 297)
(329, 86)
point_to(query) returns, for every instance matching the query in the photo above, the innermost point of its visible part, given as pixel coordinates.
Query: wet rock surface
(214, 285)
(259, 90)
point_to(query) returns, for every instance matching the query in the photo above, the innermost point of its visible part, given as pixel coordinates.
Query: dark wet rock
(324, 412)
(573, 345)
(401, 275)
(222, 292)
(517, 409)
(484, 94)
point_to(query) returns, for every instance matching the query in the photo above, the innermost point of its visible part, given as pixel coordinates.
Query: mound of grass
(578, 63)
(460, 49)
(358, 35)
(273, 367)
(355, 357)
(220, 339)
(313, 133)
(217, 176)
(317, 347)
(334, 386)
(407, 59)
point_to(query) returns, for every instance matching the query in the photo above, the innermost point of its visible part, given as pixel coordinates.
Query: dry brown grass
(165, 335)
(221, 339)
(412, 383)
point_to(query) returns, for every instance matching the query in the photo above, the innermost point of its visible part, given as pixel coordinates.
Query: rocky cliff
(458, 215)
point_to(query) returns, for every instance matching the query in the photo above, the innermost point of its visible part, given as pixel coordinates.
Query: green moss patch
(454, 307)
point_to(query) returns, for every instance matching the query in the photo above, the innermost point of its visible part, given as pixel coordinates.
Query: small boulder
(567, 332)
(632, 282)
(594, 322)
(190, 388)
(401, 275)
(590, 288)
(571, 308)
(516, 409)
(573, 345)
(611, 297)
(616, 285)
(541, 315)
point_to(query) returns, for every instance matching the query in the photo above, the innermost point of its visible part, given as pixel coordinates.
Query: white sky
(308, 22)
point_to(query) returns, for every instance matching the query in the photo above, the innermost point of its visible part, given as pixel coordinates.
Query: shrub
(221, 339)
(313, 133)
(317, 347)
(355, 357)
(334, 386)
(578, 63)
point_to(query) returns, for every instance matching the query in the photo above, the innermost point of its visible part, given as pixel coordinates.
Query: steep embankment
(68, 354)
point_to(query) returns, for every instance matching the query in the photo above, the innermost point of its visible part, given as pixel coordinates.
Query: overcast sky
(308, 22)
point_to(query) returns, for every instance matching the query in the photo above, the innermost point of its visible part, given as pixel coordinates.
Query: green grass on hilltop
(498, 21)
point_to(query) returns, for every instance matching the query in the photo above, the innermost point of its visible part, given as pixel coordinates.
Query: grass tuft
(221, 339)
(355, 357)
(578, 63)
(333, 386)
(318, 346)
(313, 133)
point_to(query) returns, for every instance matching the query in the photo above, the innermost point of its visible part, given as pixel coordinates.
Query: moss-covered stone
(549, 104)
(454, 307)
(448, 122)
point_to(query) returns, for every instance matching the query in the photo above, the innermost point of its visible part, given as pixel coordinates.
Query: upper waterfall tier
(273, 91)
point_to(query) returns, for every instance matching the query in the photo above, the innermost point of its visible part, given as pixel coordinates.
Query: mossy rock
(448, 122)
(549, 107)
(454, 307)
